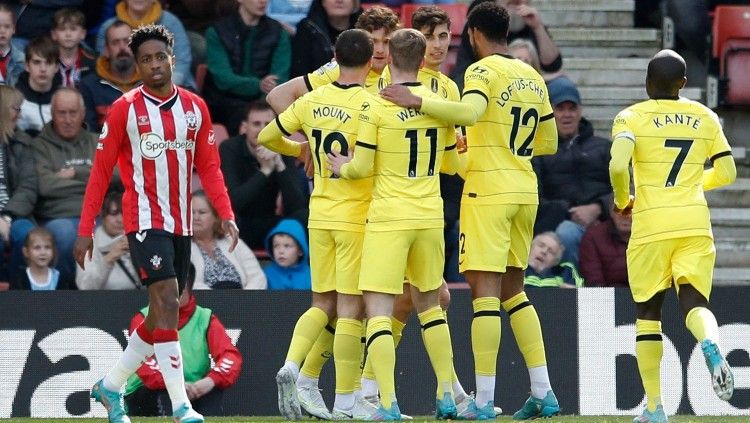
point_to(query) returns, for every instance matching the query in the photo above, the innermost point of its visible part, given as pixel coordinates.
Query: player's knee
(325, 301)
(445, 297)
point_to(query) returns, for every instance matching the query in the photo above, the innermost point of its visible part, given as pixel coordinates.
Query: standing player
(404, 150)
(330, 116)
(155, 133)
(508, 101)
(669, 139)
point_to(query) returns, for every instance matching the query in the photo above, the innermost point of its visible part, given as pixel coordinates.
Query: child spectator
(545, 269)
(40, 253)
(11, 58)
(289, 269)
(203, 339)
(68, 32)
(38, 83)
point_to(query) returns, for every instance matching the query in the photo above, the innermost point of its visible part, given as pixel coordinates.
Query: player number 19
(327, 144)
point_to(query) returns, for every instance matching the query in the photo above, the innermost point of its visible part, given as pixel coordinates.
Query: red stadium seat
(200, 76)
(220, 133)
(729, 22)
(731, 48)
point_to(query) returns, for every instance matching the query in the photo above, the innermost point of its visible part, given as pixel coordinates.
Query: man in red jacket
(145, 392)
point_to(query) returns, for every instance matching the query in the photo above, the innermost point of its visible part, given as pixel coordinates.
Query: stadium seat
(200, 76)
(220, 133)
(729, 22)
(731, 48)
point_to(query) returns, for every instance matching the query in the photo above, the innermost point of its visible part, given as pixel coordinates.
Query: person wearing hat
(574, 188)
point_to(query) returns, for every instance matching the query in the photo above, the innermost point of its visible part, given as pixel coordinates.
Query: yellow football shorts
(389, 255)
(653, 266)
(335, 258)
(495, 236)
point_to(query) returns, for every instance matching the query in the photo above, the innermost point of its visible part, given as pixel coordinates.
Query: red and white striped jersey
(156, 142)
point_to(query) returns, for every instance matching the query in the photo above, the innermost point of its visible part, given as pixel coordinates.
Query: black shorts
(159, 255)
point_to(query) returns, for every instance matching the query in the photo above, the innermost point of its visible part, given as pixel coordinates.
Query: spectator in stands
(34, 18)
(64, 153)
(290, 266)
(248, 55)
(289, 12)
(203, 340)
(144, 12)
(38, 83)
(115, 74)
(11, 56)
(196, 16)
(40, 253)
(525, 22)
(546, 270)
(18, 188)
(574, 188)
(603, 246)
(312, 45)
(215, 266)
(524, 50)
(68, 32)
(256, 176)
(110, 266)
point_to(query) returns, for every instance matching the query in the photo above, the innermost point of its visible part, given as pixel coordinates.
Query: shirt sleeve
(623, 144)
(324, 75)
(364, 151)
(287, 123)
(114, 133)
(208, 164)
(466, 112)
(227, 358)
(451, 164)
(723, 170)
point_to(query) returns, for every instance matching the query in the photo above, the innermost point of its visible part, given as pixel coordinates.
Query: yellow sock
(526, 330)
(454, 378)
(398, 331)
(306, 332)
(320, 352)
(485, 335)
(347, 354)
(437, 342)
(380, 348)
(702, 324)
(648, 350)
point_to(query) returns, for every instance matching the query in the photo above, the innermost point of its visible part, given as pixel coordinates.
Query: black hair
(150, 32)
(353, 48)
(491, 20)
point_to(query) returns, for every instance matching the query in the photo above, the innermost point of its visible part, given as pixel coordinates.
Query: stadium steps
(730, 218)
(606, 42)
(578, 13)
(731, 276)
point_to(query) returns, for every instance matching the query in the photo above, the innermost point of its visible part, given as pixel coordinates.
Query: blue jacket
(297, 276)
(15, 65)
(182, 53)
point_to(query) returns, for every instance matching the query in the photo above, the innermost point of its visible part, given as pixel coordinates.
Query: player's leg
(459, 394)
(381, 278)
(693, 264)
(524, 320)
(308, 393)
(312, 322)
(650, 272)
(424, 270)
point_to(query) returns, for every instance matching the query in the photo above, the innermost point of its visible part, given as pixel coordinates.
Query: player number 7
(684, 146)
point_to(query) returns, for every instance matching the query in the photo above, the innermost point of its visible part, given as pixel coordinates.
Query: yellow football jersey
(439, 84)
(330, 117)
(329, 72)
(501, 143)
(405, 150)
(673, 139)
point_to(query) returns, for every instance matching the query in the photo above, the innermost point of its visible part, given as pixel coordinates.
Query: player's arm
(285, 124)
(619, 173)
(364, 158)
(723, 170)
(451, 163)
(545, 140)
(466, 112)
(282, 96)
(208, 165)
(227, 358)
(113, 135)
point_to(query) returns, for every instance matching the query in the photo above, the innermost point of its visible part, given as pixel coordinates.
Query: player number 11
(412, 135)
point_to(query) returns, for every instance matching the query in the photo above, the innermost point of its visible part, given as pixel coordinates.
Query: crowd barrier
(55, 345)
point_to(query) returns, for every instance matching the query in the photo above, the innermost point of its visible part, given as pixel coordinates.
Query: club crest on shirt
(155, 262)
(143, 120)
(191, 120)
(211, 137)
(105, 131)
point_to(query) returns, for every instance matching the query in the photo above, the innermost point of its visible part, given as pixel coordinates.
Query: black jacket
(577, 174)
(313, 43)
(21, 177)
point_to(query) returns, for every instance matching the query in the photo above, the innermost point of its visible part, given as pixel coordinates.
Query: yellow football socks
(398, 330)
(485, 334)
(347, 354)
(381, 350)
(320, 352)
(526, 329)
(702, 324)
(437, 342)
(306, 332)
(648, 350)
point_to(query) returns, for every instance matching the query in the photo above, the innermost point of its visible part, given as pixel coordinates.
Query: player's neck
(352, 76)
(399, 77)
(433, 67)
(162, 92)
(493, 48)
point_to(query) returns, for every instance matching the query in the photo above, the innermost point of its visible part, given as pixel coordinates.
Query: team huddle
(382, 123)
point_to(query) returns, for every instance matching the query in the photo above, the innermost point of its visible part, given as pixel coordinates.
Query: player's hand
(118, 249)
(268, 83)
(4, 230)
(586, 214)
(66, 173)
(461, 146)
(530, 15)
(266, 159)
(199, 388)
(82, 249)
(230, 228)
(336, 160)
(400, 95)
(627, 210)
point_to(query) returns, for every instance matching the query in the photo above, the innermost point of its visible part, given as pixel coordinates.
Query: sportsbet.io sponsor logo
(152, 145)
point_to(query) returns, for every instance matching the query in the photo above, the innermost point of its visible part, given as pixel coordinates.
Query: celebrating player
(155, 133)
(669, 139)
(403, 235)
(508, 101)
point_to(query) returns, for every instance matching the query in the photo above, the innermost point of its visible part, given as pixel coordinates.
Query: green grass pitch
(562, 419)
